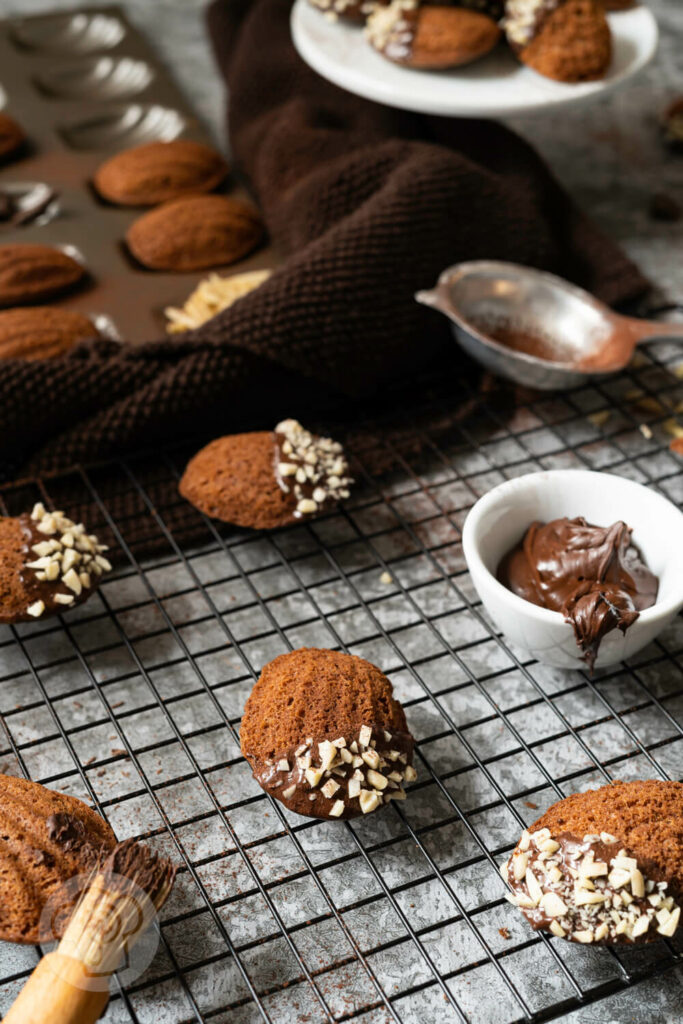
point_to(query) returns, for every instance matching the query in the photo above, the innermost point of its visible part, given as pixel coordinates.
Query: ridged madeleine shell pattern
(45, 839)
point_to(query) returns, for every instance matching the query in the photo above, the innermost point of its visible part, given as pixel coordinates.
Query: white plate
(496, 86)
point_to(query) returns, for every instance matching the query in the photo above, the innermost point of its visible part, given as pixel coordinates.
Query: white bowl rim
(528, 608)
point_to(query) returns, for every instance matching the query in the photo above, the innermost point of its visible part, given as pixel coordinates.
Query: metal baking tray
(84, 84)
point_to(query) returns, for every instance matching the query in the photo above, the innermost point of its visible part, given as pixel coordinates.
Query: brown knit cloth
(368, 204)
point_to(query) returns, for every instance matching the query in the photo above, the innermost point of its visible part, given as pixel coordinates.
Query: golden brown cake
(324, 734)
(431, 36)
(12, 138)
(41, 332)
(195, 233)
(268, 478)
(160, 171)
(32, 273)
(568, 40)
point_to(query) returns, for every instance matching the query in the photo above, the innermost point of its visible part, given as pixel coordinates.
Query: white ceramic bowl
(499, 519)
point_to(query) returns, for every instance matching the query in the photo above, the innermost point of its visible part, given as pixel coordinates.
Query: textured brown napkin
(368, 204)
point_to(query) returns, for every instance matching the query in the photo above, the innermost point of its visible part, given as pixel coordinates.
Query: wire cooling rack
(133, 702)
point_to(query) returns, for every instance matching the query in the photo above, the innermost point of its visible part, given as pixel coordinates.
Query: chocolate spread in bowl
(593, 575)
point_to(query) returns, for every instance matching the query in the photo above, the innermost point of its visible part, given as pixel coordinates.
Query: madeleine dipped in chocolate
(604, 867)
(267, 479)
(568, 40)
(48, 564)
(324, 734)
(429, 36)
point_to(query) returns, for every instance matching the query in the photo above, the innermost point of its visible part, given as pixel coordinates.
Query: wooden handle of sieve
(58, 992)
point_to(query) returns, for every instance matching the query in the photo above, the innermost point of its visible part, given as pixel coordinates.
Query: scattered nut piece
(212, 296)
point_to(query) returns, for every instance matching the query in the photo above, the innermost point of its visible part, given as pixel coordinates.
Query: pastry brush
(71, 984)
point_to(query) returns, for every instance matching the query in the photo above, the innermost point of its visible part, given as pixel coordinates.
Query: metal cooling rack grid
(133, 702)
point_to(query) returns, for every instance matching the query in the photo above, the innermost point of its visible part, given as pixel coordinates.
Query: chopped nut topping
(388, 28)
(315, 469)
(560, 885)
(73, 581)
(36, 609)
(334, 7)
(376, 779)
(369, 800)
(337, 774)
(522, 18)
(68, 555)
(313, 776)
(371, 758)
(364, 736)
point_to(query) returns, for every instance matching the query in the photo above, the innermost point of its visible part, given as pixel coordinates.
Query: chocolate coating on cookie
(47, 838)
(160, 171)
(324, 734)
(267, 479)
(47, 564)
(604, 866)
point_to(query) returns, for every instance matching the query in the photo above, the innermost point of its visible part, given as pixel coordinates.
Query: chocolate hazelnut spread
(593, 575)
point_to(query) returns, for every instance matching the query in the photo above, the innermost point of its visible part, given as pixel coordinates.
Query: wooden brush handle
(57, 993)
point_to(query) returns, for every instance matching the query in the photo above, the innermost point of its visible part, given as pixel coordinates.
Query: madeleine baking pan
(84, 85)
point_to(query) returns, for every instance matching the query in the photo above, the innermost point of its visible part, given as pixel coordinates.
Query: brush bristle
(132, 864)
(127, 889)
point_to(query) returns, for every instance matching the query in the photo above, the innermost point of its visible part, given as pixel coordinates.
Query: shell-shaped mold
(123, 126)
(69, 33)
(95, 78)
(27, 204)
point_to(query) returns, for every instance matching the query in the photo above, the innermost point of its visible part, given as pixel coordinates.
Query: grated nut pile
(212, 296)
